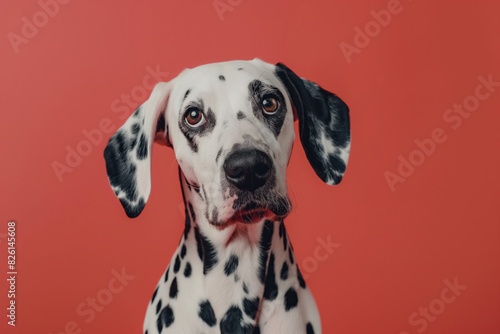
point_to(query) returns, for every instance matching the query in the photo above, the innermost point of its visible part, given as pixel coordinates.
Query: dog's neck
(241, 262)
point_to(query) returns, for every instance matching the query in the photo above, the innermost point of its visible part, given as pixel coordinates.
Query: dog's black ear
(128, 153)
(323, 125)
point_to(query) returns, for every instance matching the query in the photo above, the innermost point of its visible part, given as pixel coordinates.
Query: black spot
(271, 287)
(204, 198)
(122, 172)
(183, 251)
(142, 149)
(338, 165)
(190, 134)
(136, 128)
(209, 255)
(283, 235)
(207, 314)
(232, 322)
(166, 318)
(133, 210)
(222, 78)
(291, 299)
(258, 91)
(218, 155)
(173, 288)
(154, 295)
(187, 223)
(215, 215)
(245, 288)
(240, 115)
(265, 244)
(186, 94)
(146, 332)
(160, 126)
(284, 271)
(166, 274)
(250, 306)
(240, 68)
(309, 328)
(158, 307)
(301, 279)
(191, 210)
(137, 111)
(187, 270)
(290, 254)
(211, 121)
(177, 264)
(199, 246)
(187, 227)
(231, 265)
(133, 143)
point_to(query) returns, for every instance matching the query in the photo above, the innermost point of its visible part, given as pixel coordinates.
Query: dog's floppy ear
(128, 153)
(323, 125)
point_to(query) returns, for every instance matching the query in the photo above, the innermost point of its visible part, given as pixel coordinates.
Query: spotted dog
(230, 125)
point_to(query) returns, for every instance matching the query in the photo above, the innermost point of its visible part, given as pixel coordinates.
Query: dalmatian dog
(231, 126)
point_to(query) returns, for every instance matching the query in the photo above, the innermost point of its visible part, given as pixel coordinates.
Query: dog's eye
(194, 117)
(270, 105)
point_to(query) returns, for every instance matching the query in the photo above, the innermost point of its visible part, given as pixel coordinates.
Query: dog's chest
(232, 289)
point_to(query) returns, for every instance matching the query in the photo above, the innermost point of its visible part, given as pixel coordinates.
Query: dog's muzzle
(251, 175)
(248, 169)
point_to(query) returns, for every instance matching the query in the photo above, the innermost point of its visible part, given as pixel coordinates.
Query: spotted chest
(211, 289)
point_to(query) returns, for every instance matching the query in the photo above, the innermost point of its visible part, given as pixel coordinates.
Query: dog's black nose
(248, 169)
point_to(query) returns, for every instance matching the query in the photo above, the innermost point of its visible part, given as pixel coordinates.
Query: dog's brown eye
(270, 105)
(194, 117)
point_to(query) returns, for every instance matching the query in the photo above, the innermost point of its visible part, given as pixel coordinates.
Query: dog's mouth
(250, 216)
(247, 208)
(254, 213)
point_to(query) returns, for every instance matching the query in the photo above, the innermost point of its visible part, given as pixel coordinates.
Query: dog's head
(231, 127)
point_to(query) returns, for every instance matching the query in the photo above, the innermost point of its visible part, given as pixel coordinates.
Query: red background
(395, 247)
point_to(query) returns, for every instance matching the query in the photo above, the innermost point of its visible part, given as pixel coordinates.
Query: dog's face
(231, 127)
